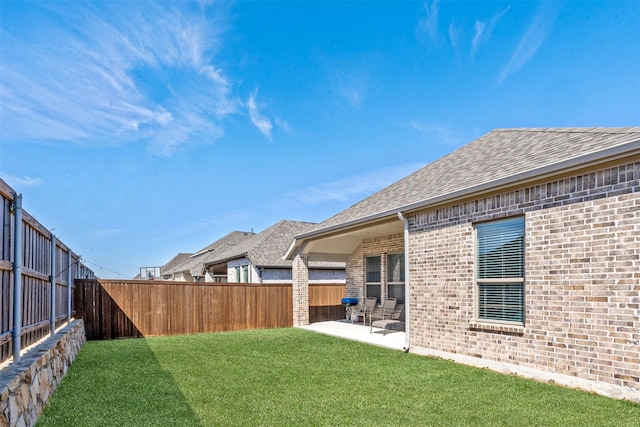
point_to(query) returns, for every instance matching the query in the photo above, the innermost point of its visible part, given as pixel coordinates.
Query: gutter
(289, 253)
(407, 323)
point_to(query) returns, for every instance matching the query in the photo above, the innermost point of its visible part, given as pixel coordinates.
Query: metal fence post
(69, 284)
(17, 276)
(52, 278)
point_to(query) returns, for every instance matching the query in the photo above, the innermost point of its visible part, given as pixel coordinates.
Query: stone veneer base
(26, 387)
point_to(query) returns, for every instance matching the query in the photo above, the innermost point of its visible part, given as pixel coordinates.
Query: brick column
(300, 290)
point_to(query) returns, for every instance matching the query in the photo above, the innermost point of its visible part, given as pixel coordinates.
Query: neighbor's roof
(267, 248)
(174, 262)
(500, 157)
(194, 264)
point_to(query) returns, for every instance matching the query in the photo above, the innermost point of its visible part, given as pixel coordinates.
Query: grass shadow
(118, 383)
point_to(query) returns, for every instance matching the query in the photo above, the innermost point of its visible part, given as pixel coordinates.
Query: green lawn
(296, 377)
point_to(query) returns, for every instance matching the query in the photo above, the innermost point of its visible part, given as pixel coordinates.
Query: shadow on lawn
(120, 383)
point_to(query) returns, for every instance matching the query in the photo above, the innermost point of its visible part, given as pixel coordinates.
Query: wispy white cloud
(532, 39)
(478, 27)
(282, 124)
(484, 30)
(428, 21)
(21, 181)
(455, 33)
(349, 188)
(106, 73)
(351, 84)
(261, 122)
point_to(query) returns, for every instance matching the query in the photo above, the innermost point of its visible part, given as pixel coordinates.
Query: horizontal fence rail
(142, 308)
(36, 277)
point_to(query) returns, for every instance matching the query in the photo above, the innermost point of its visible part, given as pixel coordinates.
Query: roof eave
(227, 259)
(579, 162)
(610, 154)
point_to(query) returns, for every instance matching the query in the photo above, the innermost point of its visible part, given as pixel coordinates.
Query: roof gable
(498, 155)
(194, 264)
(175, 261)
(266, 248)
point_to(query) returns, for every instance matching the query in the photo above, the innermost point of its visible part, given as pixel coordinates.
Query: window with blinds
(500, 270)
(395, 277)
(373, 270)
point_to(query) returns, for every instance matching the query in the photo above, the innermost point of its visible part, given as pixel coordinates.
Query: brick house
(522, 253)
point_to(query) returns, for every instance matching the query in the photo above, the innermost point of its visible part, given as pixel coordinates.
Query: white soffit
(346, 241)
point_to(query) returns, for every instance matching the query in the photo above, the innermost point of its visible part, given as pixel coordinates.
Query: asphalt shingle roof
(499, 154)
(174, 262)
(267, 248)
(194, 264)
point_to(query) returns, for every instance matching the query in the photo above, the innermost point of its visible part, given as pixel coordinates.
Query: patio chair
(368, 308)
(385, 312)
(396, 320)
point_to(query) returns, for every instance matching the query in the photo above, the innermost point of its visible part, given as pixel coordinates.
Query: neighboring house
(192, 268)
(173, 263)
(259, 259)
(521, 249)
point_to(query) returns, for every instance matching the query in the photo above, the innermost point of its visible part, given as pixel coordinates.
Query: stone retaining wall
(25, 388)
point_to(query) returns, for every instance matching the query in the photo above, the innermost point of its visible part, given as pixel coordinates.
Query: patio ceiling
(337, 245)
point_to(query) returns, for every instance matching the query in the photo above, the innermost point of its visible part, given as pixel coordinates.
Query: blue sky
(138, 130)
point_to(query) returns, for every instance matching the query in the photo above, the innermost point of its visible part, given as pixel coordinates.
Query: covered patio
(382, 238)
(393, 339)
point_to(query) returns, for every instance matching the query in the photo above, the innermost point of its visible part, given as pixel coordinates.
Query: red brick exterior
(582, 276)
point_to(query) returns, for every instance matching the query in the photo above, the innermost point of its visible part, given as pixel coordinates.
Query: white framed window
(245, 274)
(238, 276)
(395, 277)
(373, 276)
(500, 270)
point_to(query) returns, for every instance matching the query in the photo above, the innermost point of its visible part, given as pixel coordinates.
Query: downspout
(17, 276)
(407, 323)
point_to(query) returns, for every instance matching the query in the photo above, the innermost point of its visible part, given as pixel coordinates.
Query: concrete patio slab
(357, 332)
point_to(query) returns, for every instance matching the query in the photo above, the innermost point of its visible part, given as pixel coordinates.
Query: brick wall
(582, 277)
(355, 266)
(300, 285)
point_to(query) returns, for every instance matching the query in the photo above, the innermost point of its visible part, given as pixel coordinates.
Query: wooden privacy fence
(122, 309)
(325, 301)
(142, 308)
(36, 276)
